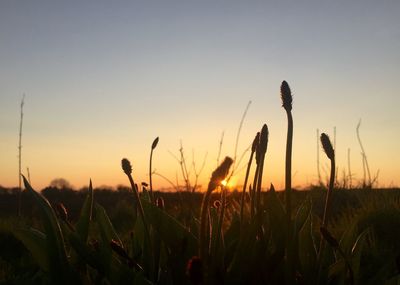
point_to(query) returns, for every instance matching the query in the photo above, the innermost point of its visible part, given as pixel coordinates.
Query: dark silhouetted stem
(139, 204)
(20, 157)
(288, 170)
(244, 187)
(150, 176)
(329, 194)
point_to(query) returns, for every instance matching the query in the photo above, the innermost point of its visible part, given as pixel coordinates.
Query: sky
(102, 79)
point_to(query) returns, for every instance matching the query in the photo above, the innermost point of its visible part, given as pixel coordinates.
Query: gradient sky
(104, 78)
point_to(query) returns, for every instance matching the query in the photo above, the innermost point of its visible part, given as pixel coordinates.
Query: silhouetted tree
(60, 183)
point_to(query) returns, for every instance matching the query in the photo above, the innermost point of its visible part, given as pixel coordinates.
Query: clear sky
(104, 78)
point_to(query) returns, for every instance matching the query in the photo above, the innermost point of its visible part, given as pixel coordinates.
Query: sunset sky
(104, 78)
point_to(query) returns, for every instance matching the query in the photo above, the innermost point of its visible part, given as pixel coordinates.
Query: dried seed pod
(154, 144)
(263, 144)
(220, 173)
(327, 146)
(286, 95)
(126, 166)
(256, 141)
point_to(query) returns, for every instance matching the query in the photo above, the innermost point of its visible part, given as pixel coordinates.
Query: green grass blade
(106, 228)
(59, 266)
(82, 225)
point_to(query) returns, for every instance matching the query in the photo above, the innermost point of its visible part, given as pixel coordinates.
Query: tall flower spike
(155, 142)
(286, 96)
(256, 141)
(126, 166)
(327, 146)
(220, 173)
(263, 143)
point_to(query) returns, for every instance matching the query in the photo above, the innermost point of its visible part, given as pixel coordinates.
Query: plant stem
(244, 187)
(363, 154)
(140, 206)
(329, 194)
(20, 157)
(150, 177)
(288, 170)
(318, 167)
(204, 240)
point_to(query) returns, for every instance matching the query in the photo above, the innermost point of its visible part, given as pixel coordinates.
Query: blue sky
(103, 78)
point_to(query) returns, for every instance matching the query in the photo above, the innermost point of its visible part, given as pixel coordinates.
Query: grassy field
(249, 236)
(366, 217)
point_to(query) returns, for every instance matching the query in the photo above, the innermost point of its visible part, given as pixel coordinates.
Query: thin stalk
(363, 154)
(330, 152)
(318, 166)
(260, 156)
(126, 166)
(29, 175)
(238, 135)
(150, 176)
(286, 96)
(140, 206)
(288, 169)
(217, 176)
(329, 193)
(20, 156)
(153, 146)
(253, 192)
(253, 150)
(221, 141)
(244, 187)
(204, 241)
(349, 169)
(219, 231)
(258, 193)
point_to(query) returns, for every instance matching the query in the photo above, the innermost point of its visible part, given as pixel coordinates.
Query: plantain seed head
(286, 96)
(154, 144)
(220, 173)
(327, 146)
(126, 166)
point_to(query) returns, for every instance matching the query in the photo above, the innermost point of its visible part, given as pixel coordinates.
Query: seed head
(155, 142)
(256, 141)
(262, 147)
(286, 96)
(220, 173)
(327, 146)
(126, 166)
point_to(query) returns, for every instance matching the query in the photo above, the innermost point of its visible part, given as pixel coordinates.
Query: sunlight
(230, 183)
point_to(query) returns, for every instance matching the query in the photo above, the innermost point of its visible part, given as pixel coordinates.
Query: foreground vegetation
(252, 236)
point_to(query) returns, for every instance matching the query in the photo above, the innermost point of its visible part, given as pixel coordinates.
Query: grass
(320, 236)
